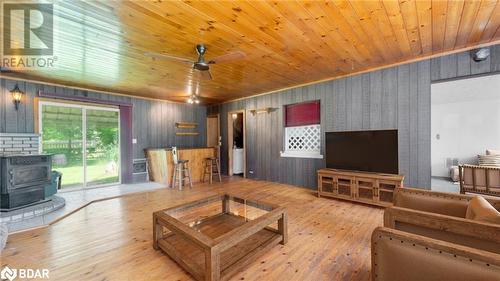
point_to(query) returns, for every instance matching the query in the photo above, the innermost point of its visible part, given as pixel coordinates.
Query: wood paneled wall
(153, 121)
(397, 97)
(461, 65)
(392, 98)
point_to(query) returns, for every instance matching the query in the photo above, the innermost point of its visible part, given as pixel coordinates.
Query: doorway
(465, 124)
(84, 141)
(236, 142)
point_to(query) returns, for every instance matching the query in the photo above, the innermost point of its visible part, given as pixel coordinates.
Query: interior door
(213, 131)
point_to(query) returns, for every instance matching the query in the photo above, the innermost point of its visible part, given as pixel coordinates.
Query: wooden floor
(112, 240)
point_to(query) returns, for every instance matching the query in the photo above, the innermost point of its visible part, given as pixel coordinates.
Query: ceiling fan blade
(208, 99)
(168, 57)
(157, 90)
(165, 92)
(206, 75)
(228, 57)
(180, 97)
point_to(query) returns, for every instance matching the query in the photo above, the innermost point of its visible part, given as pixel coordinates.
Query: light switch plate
(134, 141)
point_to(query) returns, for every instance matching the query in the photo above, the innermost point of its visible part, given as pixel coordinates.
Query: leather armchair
(403, 256)
(479, 179)
(434, 239)
(441, 216)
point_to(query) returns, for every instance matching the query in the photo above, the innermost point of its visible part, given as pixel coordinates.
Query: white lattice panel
(303, 139)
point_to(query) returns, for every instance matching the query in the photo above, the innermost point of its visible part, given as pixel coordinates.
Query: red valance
(302, 114)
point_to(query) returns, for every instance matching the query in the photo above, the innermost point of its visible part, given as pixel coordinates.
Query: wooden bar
(237, 235)
(194, 204)
(161, 164)
(157, 232)
(194, 269)
(212, 265)
(282, 227)
(172, 224)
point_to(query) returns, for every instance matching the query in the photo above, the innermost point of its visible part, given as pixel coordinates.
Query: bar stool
(212, 166)
(181, 170)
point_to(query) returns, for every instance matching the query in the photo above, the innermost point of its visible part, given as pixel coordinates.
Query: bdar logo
(8, 273)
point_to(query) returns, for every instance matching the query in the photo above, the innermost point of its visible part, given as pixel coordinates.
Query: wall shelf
(186, 125)
(262, 110)
(187, 133)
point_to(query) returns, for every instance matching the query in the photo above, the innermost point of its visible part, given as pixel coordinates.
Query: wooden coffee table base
(222, 244)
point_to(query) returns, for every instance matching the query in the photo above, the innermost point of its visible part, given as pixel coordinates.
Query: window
(302, 130)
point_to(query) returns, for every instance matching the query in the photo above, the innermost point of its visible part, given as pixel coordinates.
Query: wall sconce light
(17, 95)
(234, 116)
(480, 54)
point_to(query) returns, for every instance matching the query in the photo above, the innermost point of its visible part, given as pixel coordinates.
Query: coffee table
(215, 237)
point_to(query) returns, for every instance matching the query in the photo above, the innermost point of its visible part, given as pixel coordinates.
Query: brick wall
(13, 143)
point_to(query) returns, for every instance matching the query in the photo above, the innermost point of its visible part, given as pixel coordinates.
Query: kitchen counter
(178, 148)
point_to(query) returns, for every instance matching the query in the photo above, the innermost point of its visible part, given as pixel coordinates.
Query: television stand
(370, 188)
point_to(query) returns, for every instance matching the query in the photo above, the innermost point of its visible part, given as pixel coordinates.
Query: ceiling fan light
(197, 101)
(190, 100)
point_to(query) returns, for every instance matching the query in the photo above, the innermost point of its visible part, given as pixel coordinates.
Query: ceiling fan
(201, 64)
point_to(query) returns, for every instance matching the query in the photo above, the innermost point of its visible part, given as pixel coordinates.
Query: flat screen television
(369, 151)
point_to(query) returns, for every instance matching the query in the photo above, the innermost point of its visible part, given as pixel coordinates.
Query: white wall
(466, 115)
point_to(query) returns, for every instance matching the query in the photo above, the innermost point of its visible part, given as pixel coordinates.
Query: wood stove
(23, 179)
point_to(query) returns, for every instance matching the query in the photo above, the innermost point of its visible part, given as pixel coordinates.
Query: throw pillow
(492, 152)
(481, 210)
(489, 160)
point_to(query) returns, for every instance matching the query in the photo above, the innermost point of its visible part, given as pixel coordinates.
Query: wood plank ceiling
(101, 45)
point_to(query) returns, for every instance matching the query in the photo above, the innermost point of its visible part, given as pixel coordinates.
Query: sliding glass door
(84, 141)
(102, 149)
(62, 135)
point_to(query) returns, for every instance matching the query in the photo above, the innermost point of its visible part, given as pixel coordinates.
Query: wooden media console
(370, 188)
